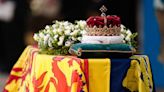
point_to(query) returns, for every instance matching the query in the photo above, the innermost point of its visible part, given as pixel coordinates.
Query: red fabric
(86, 72)
(25, 73)
(99, 21)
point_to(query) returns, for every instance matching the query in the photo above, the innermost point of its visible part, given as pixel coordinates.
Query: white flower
(127, 38)
(81, 23)
(72, 27)
(46, 39)
(47, 27)
(60, 43)
(67, 32)
(122, 26)
(125, 33)
(49, 31)
(83, 32)
(68, 43)
(128, 32)
(60, 31)
(50, 42)
(76, 26)
(59, 23)
(54, 31)
(74, 33)
(54, 26)
(36, 37)
(66, 23)
(67, 27)
(122, 35)
(73, 38)
(56, 36)
(79, 38)
(61, 39)
(41, 35)
(123, 29)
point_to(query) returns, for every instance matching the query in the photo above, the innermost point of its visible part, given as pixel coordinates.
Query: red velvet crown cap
(98, 21)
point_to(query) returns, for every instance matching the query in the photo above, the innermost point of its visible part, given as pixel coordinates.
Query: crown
(103, 25)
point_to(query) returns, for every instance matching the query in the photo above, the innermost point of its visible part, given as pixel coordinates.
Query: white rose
(66, 23)
(50, 42)
(68, 43)
(49, 31)
(123, 31)
(54, 26)
(36, 37)
(128, 32)
(60, 43)
(46, 39)
(73, 38)
(47, 36)
(60, 23)
(67, 28)
(81, 23)
(75, 32)
(72, 27)
(128, 38)
(60, 31)
(56, 36)
(76, 26)
(123, 28)
(79, 38)
(54, 31)
(67, 32)
(61, 39)
(41, 35)
(47, 27)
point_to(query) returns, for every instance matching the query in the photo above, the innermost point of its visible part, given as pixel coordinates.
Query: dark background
(82, 9)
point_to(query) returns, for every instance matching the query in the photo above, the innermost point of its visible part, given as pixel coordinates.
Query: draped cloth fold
(139, 75)
(34, 72)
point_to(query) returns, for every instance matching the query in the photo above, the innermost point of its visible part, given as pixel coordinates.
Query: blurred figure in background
(12, 27)
(159, 7)
(42, 13)
(7, 9)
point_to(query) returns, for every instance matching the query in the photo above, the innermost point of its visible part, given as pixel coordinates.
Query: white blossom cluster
(126, 33)
(62, 34)
(128, 36)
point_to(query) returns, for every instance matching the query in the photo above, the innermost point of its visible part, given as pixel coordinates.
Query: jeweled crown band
(104, 31)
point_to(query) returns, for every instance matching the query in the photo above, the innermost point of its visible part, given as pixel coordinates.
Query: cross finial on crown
(103, 9)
